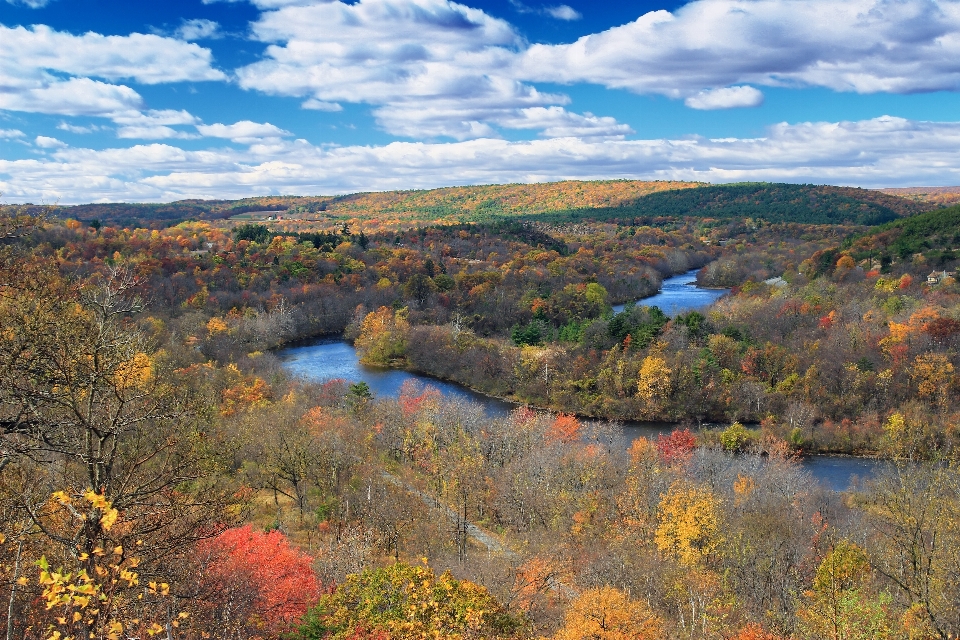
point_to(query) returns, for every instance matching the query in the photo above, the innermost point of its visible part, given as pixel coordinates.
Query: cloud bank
(879, 152)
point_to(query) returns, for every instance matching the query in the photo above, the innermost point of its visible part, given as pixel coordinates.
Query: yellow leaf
(2, 538)
(118, 551)
(109, 518)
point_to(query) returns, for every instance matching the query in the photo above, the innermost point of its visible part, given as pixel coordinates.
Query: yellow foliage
(135, 373)
(933, 373)
(216, 325)
(654, 379)
(688, 522)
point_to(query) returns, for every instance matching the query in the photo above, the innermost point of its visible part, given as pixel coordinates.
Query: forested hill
(447, 205)
(935, 234)
(773, 202)
(567, 200)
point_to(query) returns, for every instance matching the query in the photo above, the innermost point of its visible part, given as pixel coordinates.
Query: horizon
(206, 99)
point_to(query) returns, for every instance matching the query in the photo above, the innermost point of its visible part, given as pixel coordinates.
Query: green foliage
(252, 232)
(531, 334)
(736, 437)
(936, 232)
(769, 202)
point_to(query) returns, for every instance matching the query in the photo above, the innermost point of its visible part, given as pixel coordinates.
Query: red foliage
(565, 428)
(263, 569)
(676, 447)
(411, 401)
(942, 328)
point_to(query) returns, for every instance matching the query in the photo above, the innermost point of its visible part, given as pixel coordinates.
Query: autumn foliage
(269, 582)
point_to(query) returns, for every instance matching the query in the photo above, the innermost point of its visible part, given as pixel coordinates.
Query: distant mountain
(942, 196)
(566, 200)
(773, 202)
(447, 205)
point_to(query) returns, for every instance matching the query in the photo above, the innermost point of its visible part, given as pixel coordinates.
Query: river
(328, 359)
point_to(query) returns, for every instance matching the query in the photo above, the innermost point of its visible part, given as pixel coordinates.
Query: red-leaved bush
(255, 581)
(677, 447)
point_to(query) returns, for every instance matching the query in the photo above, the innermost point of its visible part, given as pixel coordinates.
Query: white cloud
(36, 65)
(243, 132)
(10, 134)
(49, 143)
(429, 67)
(725, 98)
(871, 153)
(73, 97)
(563, 12)
(897, 46)
(146, 58)
(154, 124)
(81, 130)
(198, 29)
(33, 4)
(320, 105)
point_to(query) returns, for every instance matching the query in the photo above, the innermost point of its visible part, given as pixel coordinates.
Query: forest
(163, 475)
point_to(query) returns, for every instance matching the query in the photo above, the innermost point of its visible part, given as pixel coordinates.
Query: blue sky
(157, 101)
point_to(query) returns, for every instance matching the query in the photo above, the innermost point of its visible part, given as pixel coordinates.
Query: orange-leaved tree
(606, 613)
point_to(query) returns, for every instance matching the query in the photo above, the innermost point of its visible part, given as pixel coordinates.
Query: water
(324, 360)
(679, 294)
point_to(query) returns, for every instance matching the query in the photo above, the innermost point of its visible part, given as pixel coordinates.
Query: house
(936, 277)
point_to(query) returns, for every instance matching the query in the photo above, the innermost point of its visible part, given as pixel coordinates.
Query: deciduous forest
(162, 474)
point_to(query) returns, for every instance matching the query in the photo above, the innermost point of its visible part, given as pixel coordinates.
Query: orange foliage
(565, 429)
(754, 631)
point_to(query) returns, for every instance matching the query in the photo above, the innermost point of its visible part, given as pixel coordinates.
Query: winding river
(328, 359)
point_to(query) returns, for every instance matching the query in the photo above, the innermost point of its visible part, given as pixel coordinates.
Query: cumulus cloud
(865, 46)
(880, 152)
(45, 142)
(154, 124)
(53, 72)
(146, 58)
(563, 12)
(198, 29)
(10, 134)
(429, 67)
(725, 98)
(243, 132)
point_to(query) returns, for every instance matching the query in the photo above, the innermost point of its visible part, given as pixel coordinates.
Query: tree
(653, 385)
(383, 336)
(914, 513)
(689, 520)
(89, 403)
(407, 602)
(606, 613)
(839, 607)
(250, 582)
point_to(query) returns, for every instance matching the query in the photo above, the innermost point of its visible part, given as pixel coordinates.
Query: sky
(148, 101)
